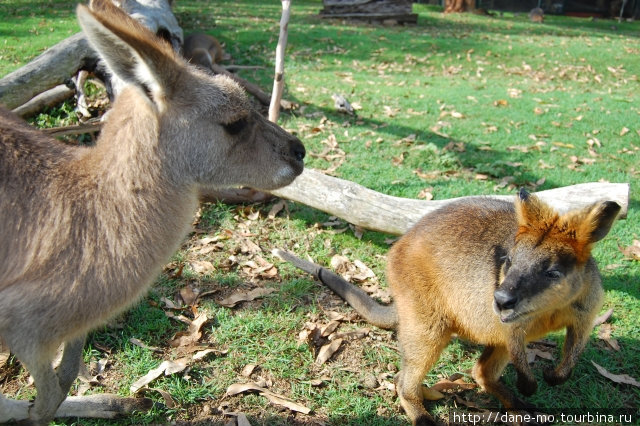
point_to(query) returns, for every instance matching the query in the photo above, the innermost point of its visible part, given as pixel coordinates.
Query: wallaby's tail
(383, 316)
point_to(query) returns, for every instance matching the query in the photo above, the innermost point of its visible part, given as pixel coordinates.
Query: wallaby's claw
(526, 386)
(553, 378)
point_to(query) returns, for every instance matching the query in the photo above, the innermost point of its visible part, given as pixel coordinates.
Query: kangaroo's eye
(236, 127)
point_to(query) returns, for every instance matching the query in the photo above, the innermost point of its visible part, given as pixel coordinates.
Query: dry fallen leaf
(143, 345)
(87, 381)
(532, 353)
(602, 318)
(193, 333)
(618, 378)
(245, 296)
(189, 294)
(604, 333)
(201, 266)
(201, 354)
(426, 194)
(327, 351)
(248, 370)
(329, 328)
(351, 271)
(273, 397)
(277, 208)
(166, 396)
(166, 367)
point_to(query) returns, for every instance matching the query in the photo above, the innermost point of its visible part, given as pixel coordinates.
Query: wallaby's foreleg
(526, 382)
(574, 342)
(420, 351)
(487, 372)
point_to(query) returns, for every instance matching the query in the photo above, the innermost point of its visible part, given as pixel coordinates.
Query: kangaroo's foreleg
(52, 386)
(574, 342)
(67, 371)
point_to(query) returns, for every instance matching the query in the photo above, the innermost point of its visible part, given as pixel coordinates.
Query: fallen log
(53, 67)
(394, 215)
(62, 61)
(46, 99)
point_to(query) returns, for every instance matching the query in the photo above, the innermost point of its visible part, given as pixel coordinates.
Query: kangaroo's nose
(505, 299)
(297, 150)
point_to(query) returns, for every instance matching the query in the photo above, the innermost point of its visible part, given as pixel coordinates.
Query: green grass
(456, 96)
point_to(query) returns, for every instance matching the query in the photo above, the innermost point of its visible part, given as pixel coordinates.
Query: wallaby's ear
(595, 221)
(533, 215)
(584, 227)
(131, 51)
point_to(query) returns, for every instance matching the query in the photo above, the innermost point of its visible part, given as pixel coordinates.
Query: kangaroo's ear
(131, 51)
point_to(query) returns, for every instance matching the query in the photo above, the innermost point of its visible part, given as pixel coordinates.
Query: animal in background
(85, 230)
(203, 50)
(493, 272)
(536, 15)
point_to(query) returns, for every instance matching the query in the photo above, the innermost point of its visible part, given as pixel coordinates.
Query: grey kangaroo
(85, 230)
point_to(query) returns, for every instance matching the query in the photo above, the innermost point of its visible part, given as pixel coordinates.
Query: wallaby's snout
(504, 300)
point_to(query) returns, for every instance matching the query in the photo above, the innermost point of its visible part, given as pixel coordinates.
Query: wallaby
(85, 230)
(493, 272)
(202, 50)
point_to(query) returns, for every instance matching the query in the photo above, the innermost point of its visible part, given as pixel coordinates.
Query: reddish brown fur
(443, 274)
(492, 273)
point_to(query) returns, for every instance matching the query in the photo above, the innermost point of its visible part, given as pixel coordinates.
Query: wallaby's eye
(236, 127)
(553, 274)
(506, 261)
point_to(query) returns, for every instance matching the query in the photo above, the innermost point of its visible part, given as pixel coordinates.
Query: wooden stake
(278, 82)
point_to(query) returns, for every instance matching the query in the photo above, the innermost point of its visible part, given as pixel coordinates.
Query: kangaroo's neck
(134, 209)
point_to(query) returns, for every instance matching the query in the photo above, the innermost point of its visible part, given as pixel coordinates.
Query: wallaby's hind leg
(487, 373)
(420, 351)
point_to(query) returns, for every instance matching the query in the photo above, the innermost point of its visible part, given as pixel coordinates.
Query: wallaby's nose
(505, 299)
(297, 150)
